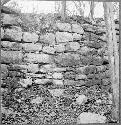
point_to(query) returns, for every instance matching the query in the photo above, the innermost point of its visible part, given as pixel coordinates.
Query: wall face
(73, 56)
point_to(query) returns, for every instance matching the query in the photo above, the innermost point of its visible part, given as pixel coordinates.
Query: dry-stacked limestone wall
(73, 55)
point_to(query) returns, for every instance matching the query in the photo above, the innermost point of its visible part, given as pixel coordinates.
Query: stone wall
(72, 54)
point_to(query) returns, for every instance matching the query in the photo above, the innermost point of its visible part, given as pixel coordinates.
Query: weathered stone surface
(30, 37)
(93, 44)
(81, 99)
(89, 70)
(2, 33)
(103, 37)
(25, 82)
(86, 60)
(48, 67)
(72, 46)
(56, 92)
(4, 71)
(63, 26)
(77, 29)
(10, 19)
(87, 51)
(11, 56)
(48, 38)
(73, 82)
(97, 60)
(70, 75)
(62, 37)
(68, 59)
(38, 58)
(87, 117)
(7, 45)
(42, 81)
(33, 68)
(33, 75)
(58, 82)
(37, 100)
(48, 49)
(31, 47)
(13, 34)
(17, 67)
(80, 76)
(80, 69)
(106, 81)
(77, 36)
(57, 75)
(59, 69)
(59, 48)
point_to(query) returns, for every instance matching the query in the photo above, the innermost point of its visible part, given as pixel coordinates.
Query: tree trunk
(63, 11)
(91, 14)
(113, 56)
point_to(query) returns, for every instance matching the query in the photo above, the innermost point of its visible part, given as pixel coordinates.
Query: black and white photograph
(60, 62)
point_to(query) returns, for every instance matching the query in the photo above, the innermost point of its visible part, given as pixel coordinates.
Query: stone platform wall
(72, 54)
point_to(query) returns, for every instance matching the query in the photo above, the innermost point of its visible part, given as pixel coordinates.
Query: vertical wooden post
(113, 56)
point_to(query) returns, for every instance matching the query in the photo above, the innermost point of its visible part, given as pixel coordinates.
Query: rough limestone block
(2, 33)
(80, 70)
(10, 19)
(70, 75)
(37, 100)
(93, 44)
(48, 49)
(80, 76)
(77, 36)
(87, 51)
(72, 82)
(103, 37)
(11, 56)
(77, 29)
(97, 60)
(57, 75)
(33, 68)
(59, 48)
(62, 37)
(59, 69)
(86, 60)
(106, 81)
(31, 47)
(42, 81)
(67, 59)
(13, 34)
(56, 92)
(25, 82)
(89, 70)
(4, 71)
(7, 45)
(87, 117)
(81, 99)
(33, 75)
(58, 82)
(30, 37)
(63, 26)
(37, 58)
(48, 67)
(72, 46)
(48, 38)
